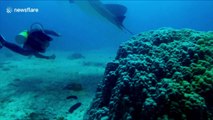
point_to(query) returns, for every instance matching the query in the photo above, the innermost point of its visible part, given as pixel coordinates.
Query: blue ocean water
(81, 31)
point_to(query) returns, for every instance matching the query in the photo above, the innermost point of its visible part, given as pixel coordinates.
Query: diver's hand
(52, 57)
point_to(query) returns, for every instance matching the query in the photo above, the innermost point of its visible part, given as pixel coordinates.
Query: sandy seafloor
(33, 89)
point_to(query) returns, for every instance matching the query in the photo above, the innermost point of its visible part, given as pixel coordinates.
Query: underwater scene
(106, 60)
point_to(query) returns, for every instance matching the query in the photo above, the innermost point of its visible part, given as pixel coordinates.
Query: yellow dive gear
(22, 37)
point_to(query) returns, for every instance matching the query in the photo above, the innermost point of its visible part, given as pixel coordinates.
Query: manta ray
(114, 13)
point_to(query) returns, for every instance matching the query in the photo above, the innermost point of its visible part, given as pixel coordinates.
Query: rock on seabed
(158, 75)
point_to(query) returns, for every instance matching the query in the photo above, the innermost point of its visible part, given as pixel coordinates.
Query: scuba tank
(37, 39)
(22, 36)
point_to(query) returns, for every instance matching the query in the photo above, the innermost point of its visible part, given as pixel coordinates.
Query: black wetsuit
(36, 43)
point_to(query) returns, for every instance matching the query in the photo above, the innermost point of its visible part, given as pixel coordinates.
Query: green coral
(166, 74)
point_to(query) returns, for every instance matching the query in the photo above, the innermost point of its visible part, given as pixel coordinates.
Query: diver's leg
(14, 47)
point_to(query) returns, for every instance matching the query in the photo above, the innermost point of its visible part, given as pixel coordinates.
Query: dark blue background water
(81, 31)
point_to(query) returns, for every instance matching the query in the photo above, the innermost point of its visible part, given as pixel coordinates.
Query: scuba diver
(35, 41)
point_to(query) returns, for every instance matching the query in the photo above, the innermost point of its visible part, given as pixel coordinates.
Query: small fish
(72, 97)
(74, 107)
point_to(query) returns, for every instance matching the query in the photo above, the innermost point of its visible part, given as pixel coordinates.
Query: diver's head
(36, 26)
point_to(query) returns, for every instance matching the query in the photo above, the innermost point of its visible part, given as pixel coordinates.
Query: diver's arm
(51, 32)
(14, 47)
(38, 55)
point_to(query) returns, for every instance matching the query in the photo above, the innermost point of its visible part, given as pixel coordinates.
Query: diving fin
(1, 41)
(1, 45)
